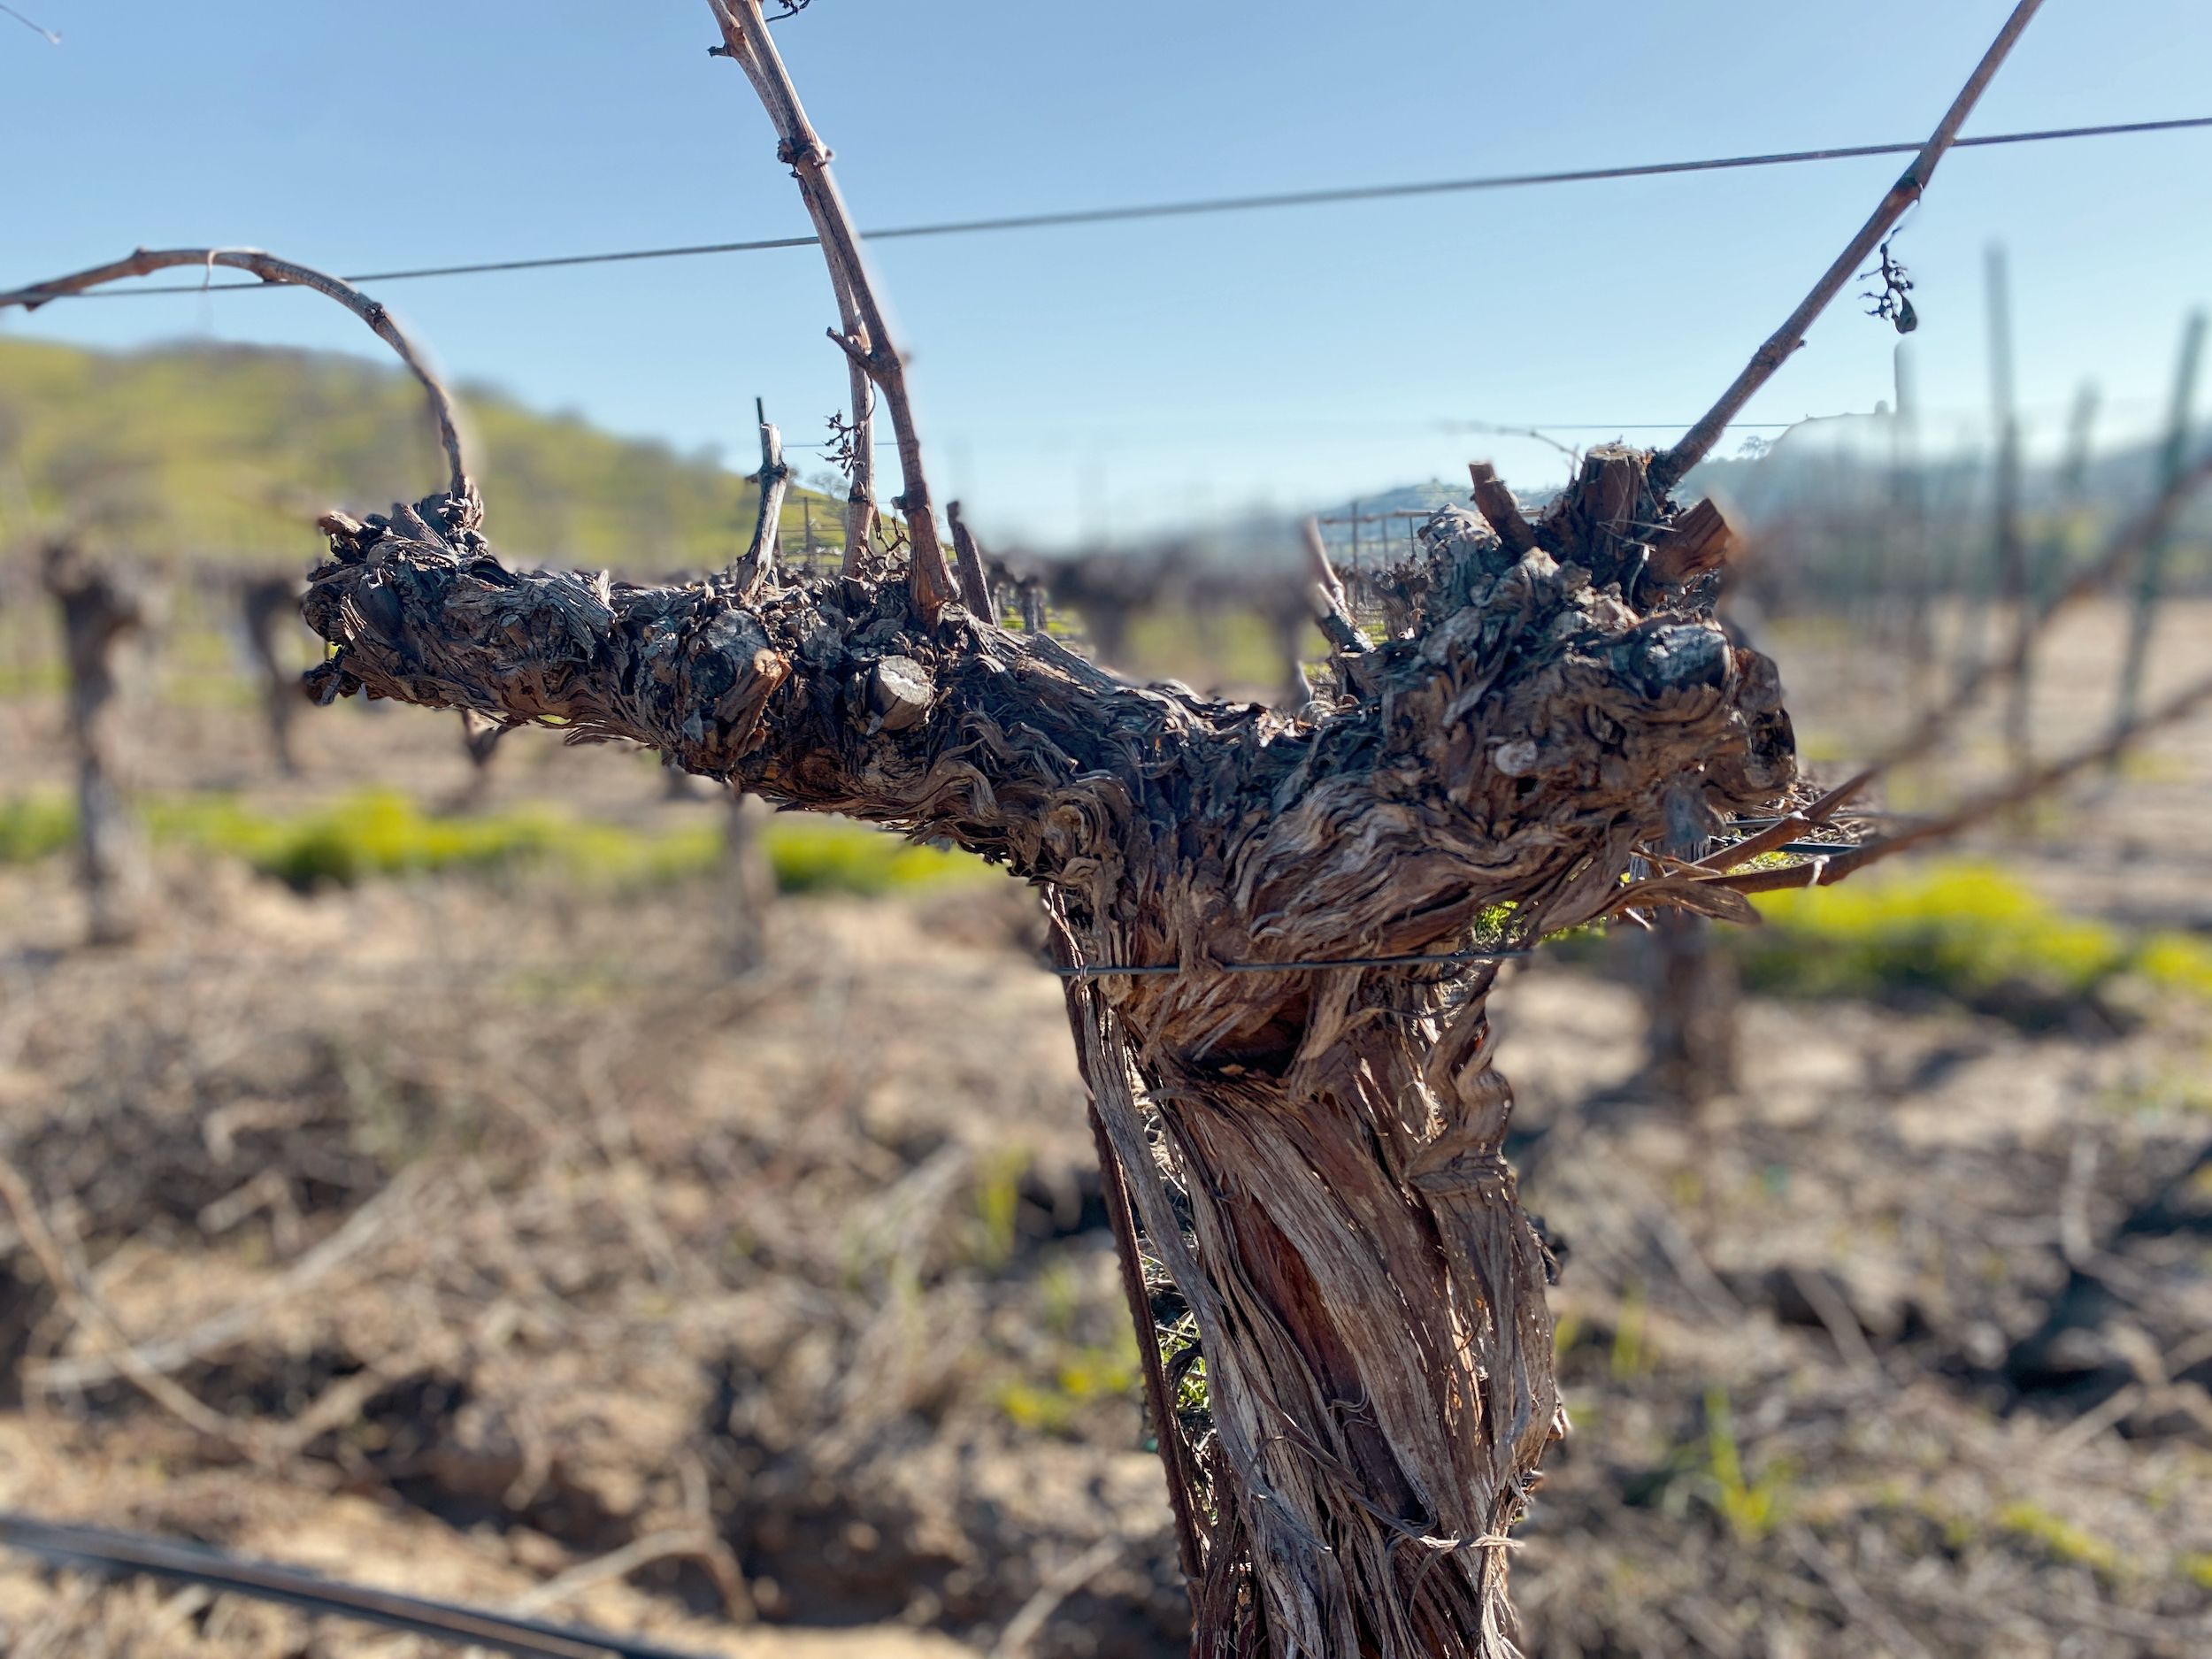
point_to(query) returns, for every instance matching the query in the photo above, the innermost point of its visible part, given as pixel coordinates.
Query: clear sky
(1124, 376)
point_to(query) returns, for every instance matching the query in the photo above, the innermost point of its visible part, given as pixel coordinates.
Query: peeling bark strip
(1314, 1157)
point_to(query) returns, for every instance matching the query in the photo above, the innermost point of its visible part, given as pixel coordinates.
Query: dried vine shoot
(1671, 467)
(460, 491)
(863, 333)
(757, 565)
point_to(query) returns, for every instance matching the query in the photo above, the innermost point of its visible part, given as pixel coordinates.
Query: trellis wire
(1059, 218)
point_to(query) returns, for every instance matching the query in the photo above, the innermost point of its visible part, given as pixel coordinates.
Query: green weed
(1751, 1508)
(1191, 1392)
(2179, 962)
(382, 833)
(1628, 1361)
(35, 827)
(1967, 931)
(1083, 1378)
(1564, 1330)
(829, 856)
(2058, 1538)
(1710, 1471)
(39, 680)
(998, 1206)
(2159, 1093)
(1059, 1294)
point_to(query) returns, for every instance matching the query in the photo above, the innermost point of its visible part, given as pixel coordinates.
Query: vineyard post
(2014, 608)
(2150, 571)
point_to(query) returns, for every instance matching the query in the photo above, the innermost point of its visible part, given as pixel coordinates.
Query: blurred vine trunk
(1289, 627)
(1693, 995)
(269, 607)
(1692, 990)
(1030, 597)
(479, 742)
(98, 613)
(748, 878)
(2150, 575)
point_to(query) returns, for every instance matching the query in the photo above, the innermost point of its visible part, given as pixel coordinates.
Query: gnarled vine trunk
(1312, 1154)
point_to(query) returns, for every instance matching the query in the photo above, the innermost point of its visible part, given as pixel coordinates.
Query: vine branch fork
(862, 332)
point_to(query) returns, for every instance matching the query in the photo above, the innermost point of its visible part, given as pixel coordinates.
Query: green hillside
(223, 451)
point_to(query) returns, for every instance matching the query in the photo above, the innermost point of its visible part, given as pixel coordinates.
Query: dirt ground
(485, 1237)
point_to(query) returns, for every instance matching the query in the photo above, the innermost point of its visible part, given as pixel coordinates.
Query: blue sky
(1121, 377)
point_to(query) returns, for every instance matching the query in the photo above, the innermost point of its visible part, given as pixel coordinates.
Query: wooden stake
(1908, 525)
(2008, 552)
(2150, 571)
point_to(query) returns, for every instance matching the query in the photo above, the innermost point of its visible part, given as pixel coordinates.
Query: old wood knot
(1516, 759)
(812, 153)
(899, 693)
(1676, 658)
